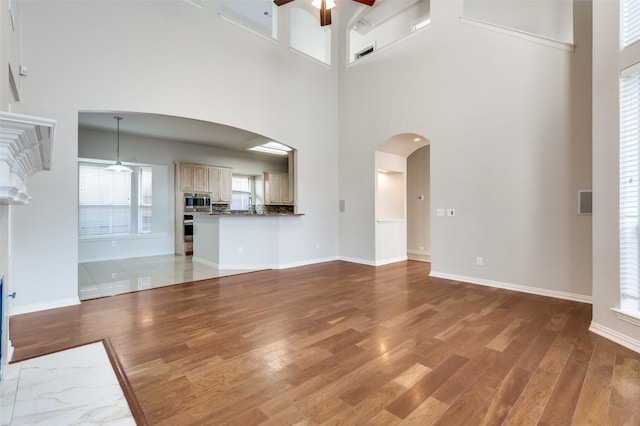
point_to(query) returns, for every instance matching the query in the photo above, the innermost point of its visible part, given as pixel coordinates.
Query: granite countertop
(254, 214)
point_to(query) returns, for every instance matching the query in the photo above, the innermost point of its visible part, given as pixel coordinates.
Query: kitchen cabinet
(220, 185)
(193, 177)
(278, 189)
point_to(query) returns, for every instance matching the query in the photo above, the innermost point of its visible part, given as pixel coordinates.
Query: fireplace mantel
(26, 146)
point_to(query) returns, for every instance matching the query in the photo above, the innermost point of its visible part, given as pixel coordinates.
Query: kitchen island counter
(231, 241)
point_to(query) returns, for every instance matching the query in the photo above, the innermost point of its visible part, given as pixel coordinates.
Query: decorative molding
(26, 147)
(36, 307)
(515, 287)
(627, 316)
(615, 336)
(569, 47)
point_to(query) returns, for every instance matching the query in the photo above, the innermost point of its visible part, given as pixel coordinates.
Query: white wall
(509, 124)
(418, 211)
(606, 251)
(164, 58)
(10, 51)
(391, 207)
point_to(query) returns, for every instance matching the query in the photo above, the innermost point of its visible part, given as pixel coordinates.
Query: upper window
(385, 23)
(307, 36)
(629, 22)
(112, 203)
(257, 15)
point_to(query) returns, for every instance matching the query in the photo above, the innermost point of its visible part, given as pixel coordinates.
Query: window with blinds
(107, 201)
(629, 189)
(242, 192)
(629, 22)
(629, 162)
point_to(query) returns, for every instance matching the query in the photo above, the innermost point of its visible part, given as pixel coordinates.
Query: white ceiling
(172, 128)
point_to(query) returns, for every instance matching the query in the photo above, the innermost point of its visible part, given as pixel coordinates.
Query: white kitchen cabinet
(278, 189)
(220, 185)
(193, 177)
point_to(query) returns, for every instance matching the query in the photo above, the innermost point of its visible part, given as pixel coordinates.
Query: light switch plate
(451, 212)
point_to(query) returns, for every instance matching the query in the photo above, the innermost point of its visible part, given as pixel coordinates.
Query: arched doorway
(395, 215)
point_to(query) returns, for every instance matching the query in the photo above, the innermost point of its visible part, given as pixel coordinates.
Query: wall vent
(364, 52)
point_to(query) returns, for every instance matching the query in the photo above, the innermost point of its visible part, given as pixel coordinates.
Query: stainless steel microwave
(197, 202)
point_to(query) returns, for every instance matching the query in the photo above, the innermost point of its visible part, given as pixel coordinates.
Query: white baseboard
(205, 262)
(420, 256)
(308, 262)
(10, 349)
(390, 261)
(615, 336)
(356, 260)
(515, 287)
(36, 307)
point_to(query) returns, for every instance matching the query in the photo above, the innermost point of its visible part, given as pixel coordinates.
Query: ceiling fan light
(330, 4)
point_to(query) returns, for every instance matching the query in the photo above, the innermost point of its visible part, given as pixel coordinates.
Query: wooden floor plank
(340, 343)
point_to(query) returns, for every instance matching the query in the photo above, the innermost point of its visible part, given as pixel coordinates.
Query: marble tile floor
(111, 277)
(77, 386)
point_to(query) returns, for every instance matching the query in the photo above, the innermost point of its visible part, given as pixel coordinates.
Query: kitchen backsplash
(257, 209)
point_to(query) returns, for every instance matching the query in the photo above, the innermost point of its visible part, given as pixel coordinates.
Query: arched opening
(402, 199)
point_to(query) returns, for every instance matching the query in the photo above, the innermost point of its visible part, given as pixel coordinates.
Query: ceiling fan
(325, 7)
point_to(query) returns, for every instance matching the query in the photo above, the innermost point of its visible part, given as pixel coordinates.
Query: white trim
(630, 317)
(308, 262)
(391, 260)
(206, 262)
(569, 47)
(10, 349)
(36, 307)
(311, 58)
(247, 28)
(615, 336)
(420, 256)
(515, 287)
(630, 69)
(356, 260)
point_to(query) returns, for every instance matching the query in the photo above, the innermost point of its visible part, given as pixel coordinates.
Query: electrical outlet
(239, 249)
(421, 248)
(113, 243)
(317, 246)
(479, 261)
(440, 212)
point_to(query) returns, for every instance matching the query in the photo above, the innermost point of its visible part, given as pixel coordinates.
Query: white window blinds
(104, 199)
(629, 188)
(241, 192)
(629, 22)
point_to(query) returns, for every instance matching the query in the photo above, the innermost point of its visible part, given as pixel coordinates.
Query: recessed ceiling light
(416, 139)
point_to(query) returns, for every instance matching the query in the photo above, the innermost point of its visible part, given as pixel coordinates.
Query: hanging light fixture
(330, 4)
(118, 167)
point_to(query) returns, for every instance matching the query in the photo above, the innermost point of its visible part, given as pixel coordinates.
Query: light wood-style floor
(346, 344)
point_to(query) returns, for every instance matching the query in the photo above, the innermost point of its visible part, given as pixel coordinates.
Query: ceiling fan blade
(367, 2)
(281, 2)
(325, 14)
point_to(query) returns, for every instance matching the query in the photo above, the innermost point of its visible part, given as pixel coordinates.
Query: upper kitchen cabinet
(278, 189)
(220, 185)
(192, 177)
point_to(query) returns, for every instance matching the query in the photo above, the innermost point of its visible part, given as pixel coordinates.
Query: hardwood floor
(341, 343)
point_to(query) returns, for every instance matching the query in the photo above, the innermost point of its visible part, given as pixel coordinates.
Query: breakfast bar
(243, 240)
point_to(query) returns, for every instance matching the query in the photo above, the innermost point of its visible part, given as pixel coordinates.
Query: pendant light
(118, 167)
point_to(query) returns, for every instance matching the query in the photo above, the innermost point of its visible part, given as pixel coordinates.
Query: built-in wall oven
(197, 202)
(188, 228)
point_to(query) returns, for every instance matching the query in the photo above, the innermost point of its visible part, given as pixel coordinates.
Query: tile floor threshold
(85, 385)
(112, 277)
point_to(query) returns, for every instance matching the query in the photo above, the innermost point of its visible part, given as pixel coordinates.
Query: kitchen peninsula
(243, 240)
